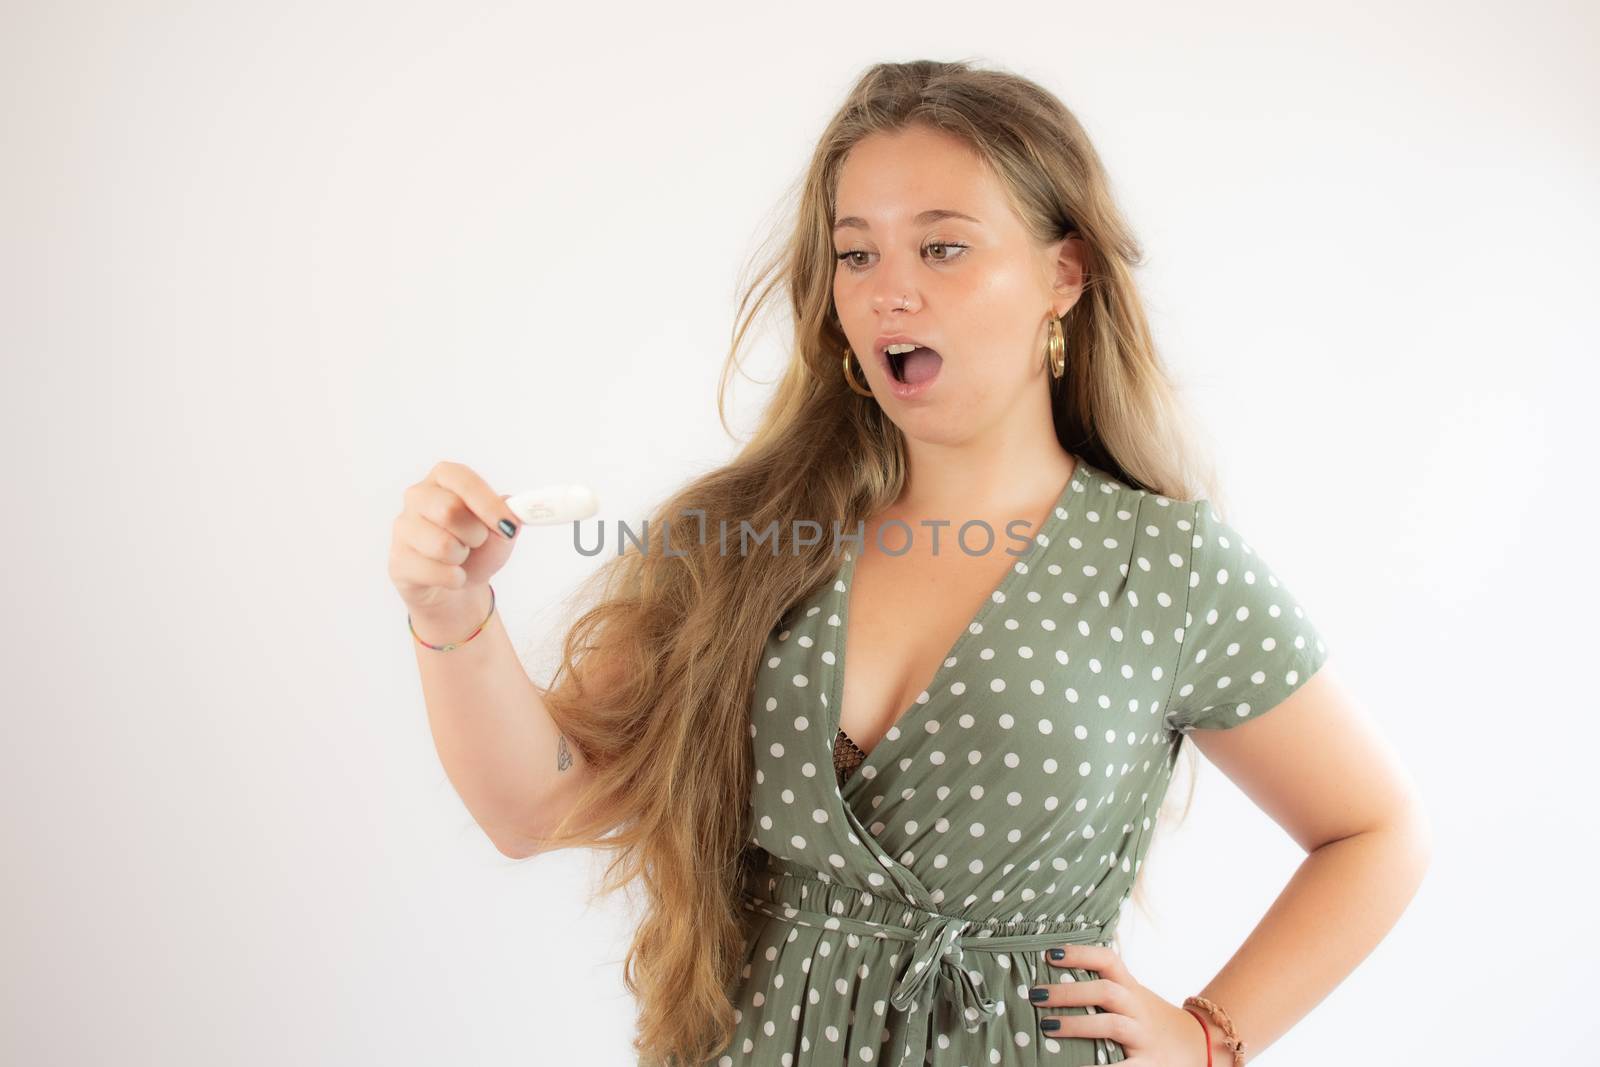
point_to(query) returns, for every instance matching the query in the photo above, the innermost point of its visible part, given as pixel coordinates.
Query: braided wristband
(1229, 1037)
(464, 640)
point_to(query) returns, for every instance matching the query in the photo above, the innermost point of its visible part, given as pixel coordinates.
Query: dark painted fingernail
(508, 528)
(1058, 953)
(1038, 993)
(1049, 1024)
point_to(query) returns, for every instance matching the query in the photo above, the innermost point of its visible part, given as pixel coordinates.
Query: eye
(848, 257)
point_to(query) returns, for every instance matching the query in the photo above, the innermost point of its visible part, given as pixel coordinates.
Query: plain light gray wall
(264, 264)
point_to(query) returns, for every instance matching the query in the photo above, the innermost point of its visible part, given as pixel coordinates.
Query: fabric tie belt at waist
(935, 966)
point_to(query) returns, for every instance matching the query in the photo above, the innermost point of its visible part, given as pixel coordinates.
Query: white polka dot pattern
(900, 918)
(1247, 644)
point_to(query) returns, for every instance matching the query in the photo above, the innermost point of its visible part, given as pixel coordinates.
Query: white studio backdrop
(265, 264)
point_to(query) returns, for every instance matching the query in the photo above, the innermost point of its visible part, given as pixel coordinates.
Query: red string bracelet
(1204, 1029)
(1230, 1037)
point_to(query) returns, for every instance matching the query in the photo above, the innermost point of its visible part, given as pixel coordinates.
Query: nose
(893, 287)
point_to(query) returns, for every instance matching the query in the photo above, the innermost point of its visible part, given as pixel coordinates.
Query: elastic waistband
(973, 934)
(784, 891)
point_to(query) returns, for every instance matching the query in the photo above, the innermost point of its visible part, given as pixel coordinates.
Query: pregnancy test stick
(551, 504)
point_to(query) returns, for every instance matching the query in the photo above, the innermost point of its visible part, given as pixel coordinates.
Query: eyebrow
(938, 214)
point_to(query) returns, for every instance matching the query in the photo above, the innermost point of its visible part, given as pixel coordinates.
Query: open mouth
(914, 367)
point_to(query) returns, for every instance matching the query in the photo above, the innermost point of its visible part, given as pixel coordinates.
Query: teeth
(900, 350)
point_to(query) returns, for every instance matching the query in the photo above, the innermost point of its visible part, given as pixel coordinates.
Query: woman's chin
(932, 423)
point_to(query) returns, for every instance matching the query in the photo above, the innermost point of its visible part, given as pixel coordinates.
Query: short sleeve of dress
(1246, 644)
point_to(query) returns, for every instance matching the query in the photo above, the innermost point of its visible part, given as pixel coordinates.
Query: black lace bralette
(847, 756)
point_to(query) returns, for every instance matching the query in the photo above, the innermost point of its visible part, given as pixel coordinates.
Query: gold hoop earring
(850, 377)
(1056, 349)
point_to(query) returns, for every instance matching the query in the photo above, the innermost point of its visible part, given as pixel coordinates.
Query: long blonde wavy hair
(654, 680)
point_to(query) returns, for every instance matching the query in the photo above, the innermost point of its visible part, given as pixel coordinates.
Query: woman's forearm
(505, 757)
(1344, 897)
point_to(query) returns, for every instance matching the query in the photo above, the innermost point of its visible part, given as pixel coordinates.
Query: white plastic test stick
(549, 504)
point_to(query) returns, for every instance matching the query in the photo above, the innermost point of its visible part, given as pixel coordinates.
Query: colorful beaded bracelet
(464, 640)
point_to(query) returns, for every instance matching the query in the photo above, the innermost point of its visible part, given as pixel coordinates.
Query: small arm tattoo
(563, 754)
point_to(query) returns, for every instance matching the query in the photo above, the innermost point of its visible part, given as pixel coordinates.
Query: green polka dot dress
(899, 918)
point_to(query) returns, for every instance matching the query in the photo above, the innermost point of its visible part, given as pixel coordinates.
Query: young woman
(888, 788)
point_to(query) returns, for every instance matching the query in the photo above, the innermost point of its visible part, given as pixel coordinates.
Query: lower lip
(906, 390)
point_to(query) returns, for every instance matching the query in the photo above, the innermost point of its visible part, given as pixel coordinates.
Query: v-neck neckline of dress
(1053, 521)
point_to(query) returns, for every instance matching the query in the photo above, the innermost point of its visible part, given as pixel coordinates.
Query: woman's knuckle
(437, 512)
(1119, 999)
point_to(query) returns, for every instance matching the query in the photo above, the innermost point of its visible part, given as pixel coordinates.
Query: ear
(1070, 256)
